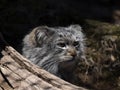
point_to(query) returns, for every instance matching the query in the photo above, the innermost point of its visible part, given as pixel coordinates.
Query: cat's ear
(76, 27)
(42, 34)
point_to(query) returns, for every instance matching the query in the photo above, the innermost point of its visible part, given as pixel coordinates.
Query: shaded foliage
(102, 70)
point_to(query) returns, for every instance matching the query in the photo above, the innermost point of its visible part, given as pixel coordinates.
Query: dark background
(17, 17)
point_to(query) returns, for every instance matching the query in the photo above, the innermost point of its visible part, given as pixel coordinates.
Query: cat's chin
(68, 65)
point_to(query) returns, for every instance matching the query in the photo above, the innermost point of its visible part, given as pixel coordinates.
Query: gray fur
(43, 46)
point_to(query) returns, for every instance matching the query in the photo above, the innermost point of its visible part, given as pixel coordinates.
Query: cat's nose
(72, 52)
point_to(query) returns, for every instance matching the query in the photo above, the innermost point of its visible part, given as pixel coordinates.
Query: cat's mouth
(67, 59)
(70, 60)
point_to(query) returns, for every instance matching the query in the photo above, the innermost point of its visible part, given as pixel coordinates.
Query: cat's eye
(76, 43)
(61, 44)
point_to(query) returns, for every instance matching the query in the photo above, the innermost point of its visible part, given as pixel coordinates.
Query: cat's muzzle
(68, 62)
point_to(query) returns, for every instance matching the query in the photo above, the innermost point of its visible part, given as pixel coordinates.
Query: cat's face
(55, 48)
(66, 44)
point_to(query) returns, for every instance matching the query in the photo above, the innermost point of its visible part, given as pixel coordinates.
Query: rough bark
(17, 73)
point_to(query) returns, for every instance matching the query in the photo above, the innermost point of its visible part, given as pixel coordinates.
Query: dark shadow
(20, 16)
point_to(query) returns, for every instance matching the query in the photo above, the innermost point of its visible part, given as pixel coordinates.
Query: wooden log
(20, 78)
(3, 84)
(21, 74)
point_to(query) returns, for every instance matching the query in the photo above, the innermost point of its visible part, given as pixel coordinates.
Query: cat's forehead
(69, 33)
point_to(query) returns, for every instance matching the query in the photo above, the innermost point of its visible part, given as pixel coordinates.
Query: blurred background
(100, 20)
(19, 16)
